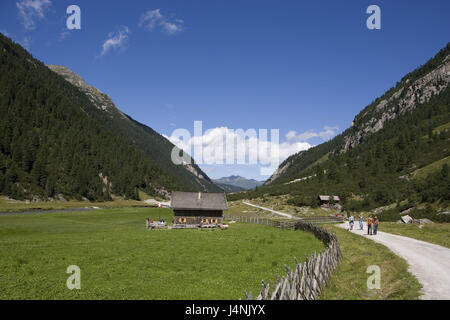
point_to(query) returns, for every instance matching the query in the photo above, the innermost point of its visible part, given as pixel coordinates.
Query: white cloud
(116, 40)
(26, 42)
(30, 10)
(327, 133)
(171, 28)
(153, 19)
(63, 34)
(215, 150)
(150, 19)
(291, 135)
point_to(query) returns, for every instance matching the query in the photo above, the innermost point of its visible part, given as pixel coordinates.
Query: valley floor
(428, 262)
(10, 205)
(350, 279)
(120, 259)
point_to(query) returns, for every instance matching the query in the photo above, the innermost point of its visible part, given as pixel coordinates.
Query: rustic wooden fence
(308, 279)
(284, 224)
(322, 219)
(271, 221)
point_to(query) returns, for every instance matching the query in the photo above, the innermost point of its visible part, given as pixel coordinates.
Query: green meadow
(120, 259)
(349, 281)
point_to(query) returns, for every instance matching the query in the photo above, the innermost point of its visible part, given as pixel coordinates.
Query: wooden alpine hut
(197, 209)
(327, 200)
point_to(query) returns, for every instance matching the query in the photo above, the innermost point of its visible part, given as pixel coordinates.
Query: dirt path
(430, 263)
(270, 210)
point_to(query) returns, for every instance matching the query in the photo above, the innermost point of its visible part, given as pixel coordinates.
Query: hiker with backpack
(351, 221)
(375, 225)
(369, 225)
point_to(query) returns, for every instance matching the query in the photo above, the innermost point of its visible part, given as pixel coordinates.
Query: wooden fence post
(308, 280)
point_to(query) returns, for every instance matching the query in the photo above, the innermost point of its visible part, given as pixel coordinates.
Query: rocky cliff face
(100, 100)
(405, 99)
(279, 172)
(415, 89)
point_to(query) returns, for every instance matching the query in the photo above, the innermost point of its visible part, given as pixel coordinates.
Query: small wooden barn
(195, 209)
(326, 200)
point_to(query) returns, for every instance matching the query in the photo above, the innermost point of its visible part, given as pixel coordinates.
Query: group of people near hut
(151, 224)
(372, 223)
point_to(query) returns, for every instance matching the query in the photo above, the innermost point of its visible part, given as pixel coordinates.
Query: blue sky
(303, 67)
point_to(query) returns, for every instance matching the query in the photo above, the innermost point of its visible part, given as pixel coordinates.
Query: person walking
(351, 221)
(369, 225)
(375, 225)
(361, 222)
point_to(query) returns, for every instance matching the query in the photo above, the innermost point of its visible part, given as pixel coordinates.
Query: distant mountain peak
(239, 182)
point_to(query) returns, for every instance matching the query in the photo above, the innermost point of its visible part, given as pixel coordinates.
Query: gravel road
(430, 263)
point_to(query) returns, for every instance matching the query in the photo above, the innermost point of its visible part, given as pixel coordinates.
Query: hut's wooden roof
(198, 201)
(327, 198)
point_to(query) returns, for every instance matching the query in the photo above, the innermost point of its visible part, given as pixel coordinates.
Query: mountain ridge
(239, 182)
(374, 163)
(415, 88)
(56, 139)
(140, 131)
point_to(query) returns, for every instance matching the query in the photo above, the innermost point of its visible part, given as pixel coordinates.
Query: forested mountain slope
(54, 139)
(414, 90)
(144, 138)
(374, 162)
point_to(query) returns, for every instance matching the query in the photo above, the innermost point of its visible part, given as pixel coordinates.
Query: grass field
(119, 259)
(442, 128)
(432, 167)
(350, 279)
(438, 233)
(9, 205)
(277, 203)
(238, 208)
